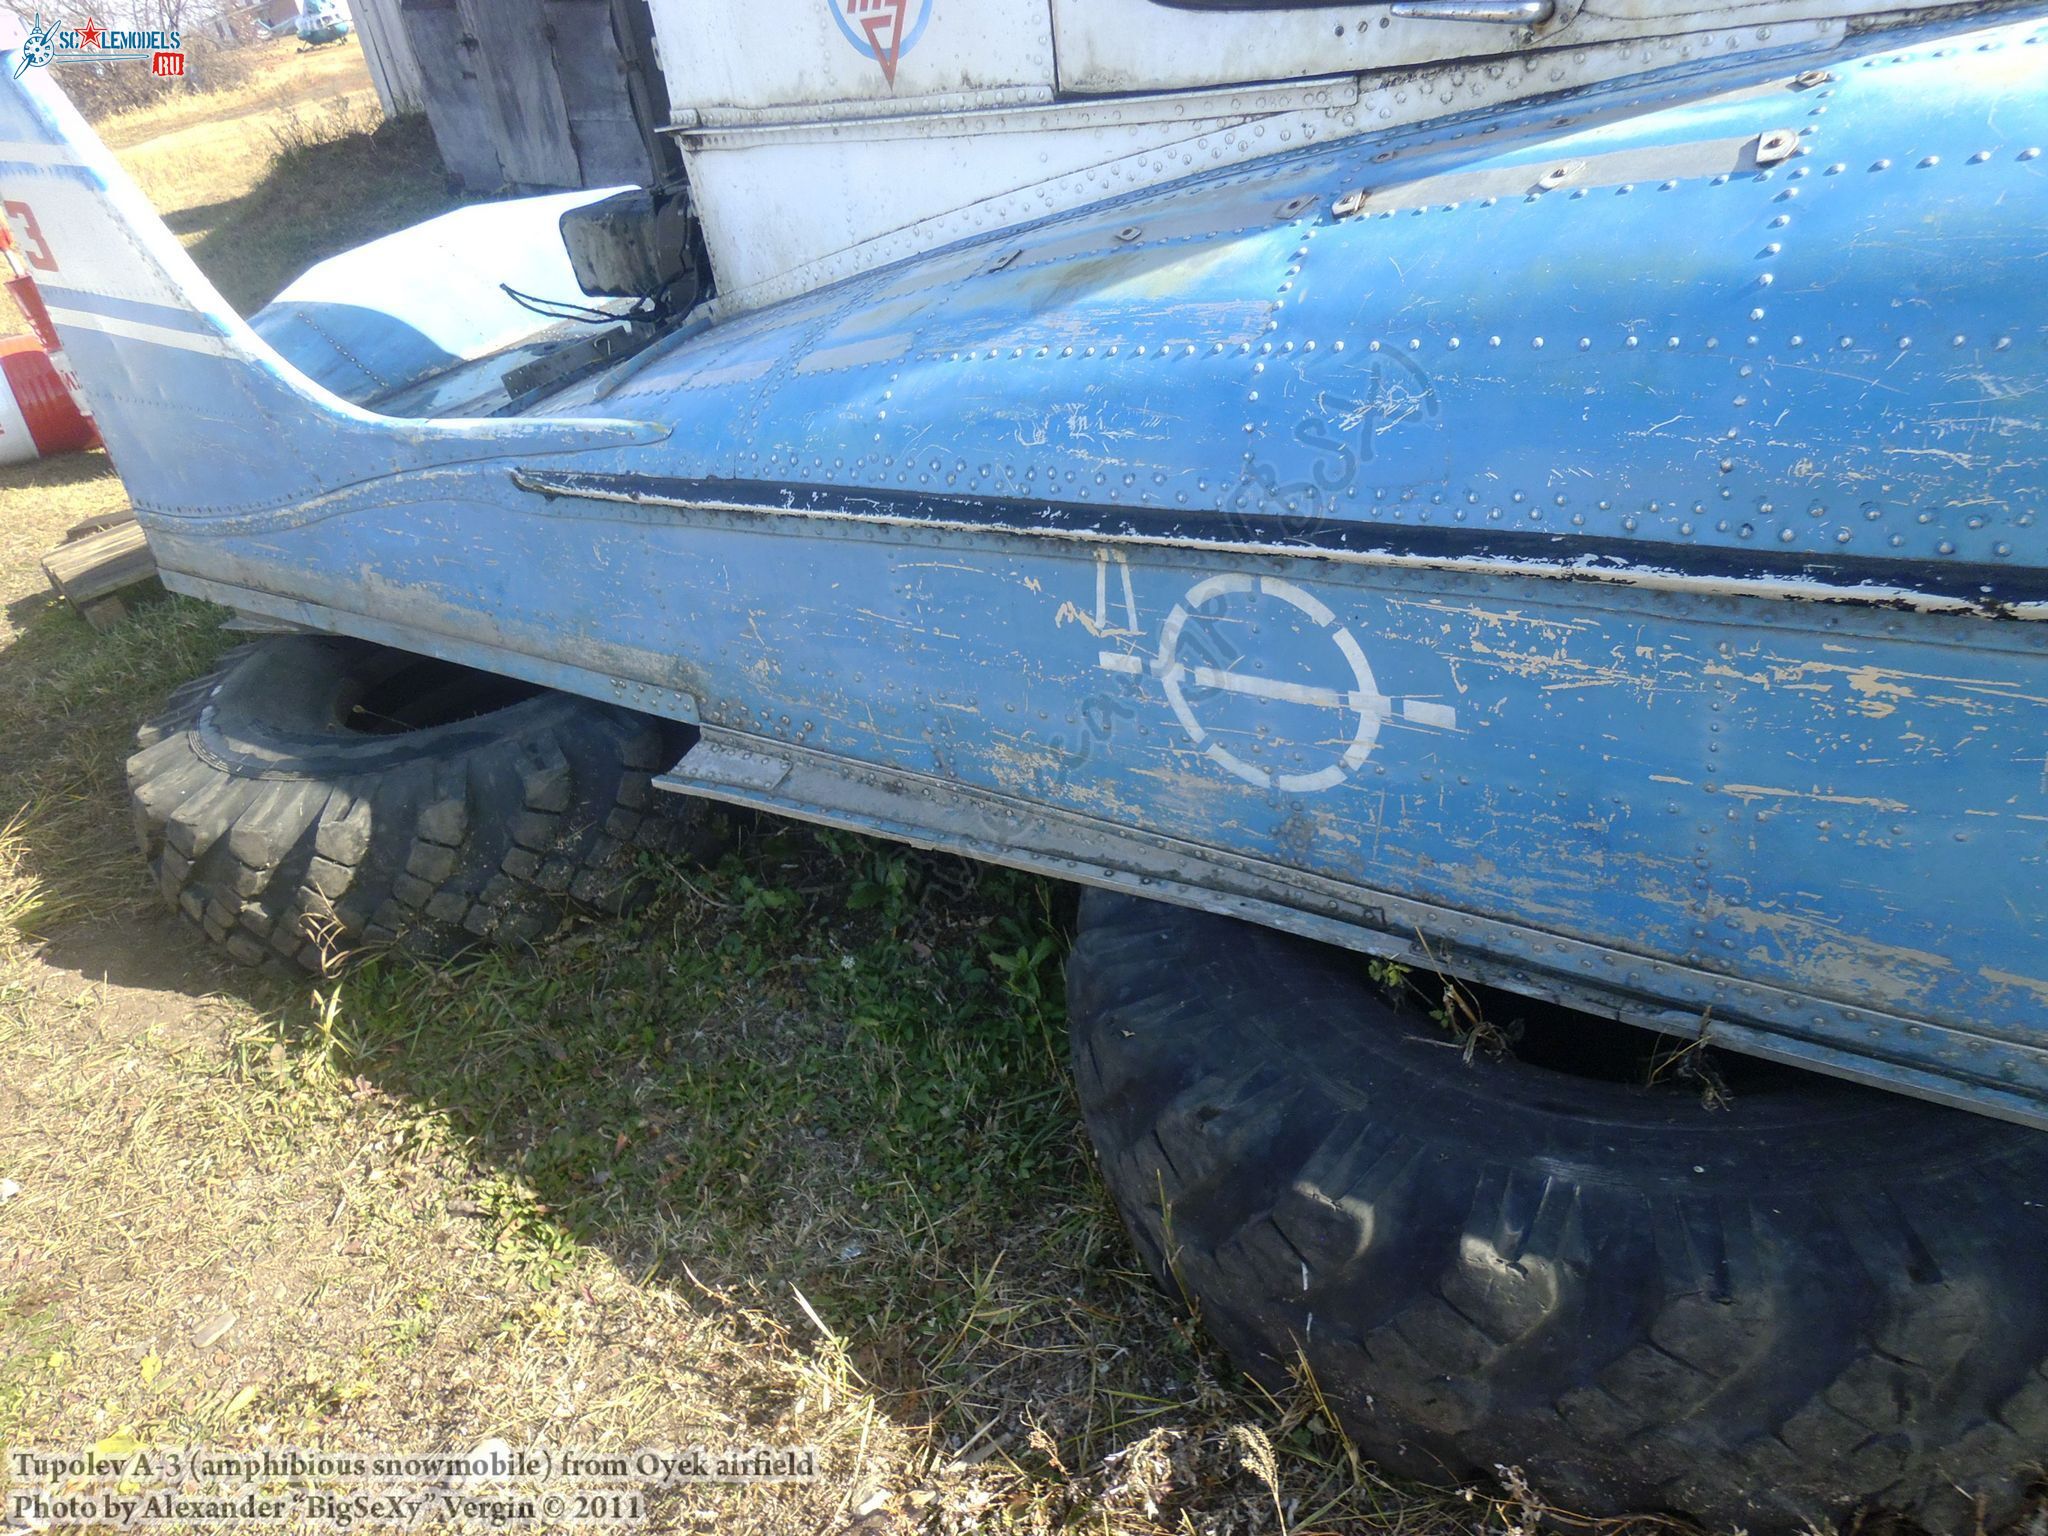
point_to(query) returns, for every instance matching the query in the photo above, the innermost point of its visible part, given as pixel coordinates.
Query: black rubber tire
(293, 840)
(1820, 1299)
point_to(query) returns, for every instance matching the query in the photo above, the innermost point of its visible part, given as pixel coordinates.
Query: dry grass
(279, 75)
(294, 166)
(791, 1158)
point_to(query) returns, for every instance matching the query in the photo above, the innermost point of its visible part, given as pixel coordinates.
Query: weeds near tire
(1692, 1063)
(297, 130)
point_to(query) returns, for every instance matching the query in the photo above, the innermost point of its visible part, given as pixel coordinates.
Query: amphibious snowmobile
(1547, 495)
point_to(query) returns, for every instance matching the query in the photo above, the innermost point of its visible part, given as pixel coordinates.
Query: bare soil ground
(791, 1158)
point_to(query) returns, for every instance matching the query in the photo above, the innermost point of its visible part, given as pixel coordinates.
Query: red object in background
(41, 410)
(29, 299)
(38, 416)
(21, 287)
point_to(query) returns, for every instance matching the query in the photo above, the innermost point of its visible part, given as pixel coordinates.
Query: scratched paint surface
(1622, 317)
(1816, 803)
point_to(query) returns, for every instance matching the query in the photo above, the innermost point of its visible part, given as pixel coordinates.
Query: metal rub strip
(1920, 586)
(1928, 1060)
(1622, 167)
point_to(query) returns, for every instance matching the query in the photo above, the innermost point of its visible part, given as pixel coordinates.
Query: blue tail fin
(198, 412)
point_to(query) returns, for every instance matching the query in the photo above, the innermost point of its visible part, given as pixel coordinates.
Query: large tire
(1818, 1299)
(317, 795)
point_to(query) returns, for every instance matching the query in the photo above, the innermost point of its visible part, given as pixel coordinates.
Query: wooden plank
(633, 34)
(610, 148)
(388, 51)
(88, 572)
(522, 93)
(449, 61)
(99, 523)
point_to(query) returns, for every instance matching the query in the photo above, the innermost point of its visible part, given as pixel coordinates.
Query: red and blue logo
(48, 43)
(884, 30)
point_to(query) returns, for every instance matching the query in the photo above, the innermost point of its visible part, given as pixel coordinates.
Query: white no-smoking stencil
(1343, 679)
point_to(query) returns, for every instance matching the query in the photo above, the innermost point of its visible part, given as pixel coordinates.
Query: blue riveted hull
(1596, 548)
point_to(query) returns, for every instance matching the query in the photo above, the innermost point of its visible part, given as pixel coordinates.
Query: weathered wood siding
(527, 94)
(388, 51)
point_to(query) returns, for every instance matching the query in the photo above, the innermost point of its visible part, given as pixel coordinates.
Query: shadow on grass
(318, 199)
(55, 474)
(70, 700)
(202, 218)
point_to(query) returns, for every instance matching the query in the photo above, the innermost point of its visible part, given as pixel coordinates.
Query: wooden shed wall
(388, 51)
(528, 95)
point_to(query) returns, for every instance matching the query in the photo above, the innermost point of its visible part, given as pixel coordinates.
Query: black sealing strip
(1990, 589)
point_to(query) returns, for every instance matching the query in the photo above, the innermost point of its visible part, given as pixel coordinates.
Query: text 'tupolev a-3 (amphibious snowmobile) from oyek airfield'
(1545, 494)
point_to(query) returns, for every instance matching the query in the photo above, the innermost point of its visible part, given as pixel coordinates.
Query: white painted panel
(1108, 46)
(1112, 46)
(17, 446)
(815, 53)
(863, 188)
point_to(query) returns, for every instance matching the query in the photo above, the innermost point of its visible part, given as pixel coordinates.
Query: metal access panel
(1113, 47)
(784, 60)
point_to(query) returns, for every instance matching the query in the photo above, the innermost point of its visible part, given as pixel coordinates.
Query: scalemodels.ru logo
(94, 44)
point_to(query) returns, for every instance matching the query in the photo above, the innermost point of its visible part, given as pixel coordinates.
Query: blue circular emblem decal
(883, 30)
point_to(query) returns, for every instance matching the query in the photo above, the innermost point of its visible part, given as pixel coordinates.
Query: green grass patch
(828, 1063)
(70, 700)
(333, 185)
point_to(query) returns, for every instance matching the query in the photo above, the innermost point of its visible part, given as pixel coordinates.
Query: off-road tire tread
(1757, 1345)
(496, 832)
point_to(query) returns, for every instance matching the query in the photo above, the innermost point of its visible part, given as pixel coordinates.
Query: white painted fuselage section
(824, 138)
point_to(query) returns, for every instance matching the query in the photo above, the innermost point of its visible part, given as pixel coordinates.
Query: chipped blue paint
(1595, 546)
